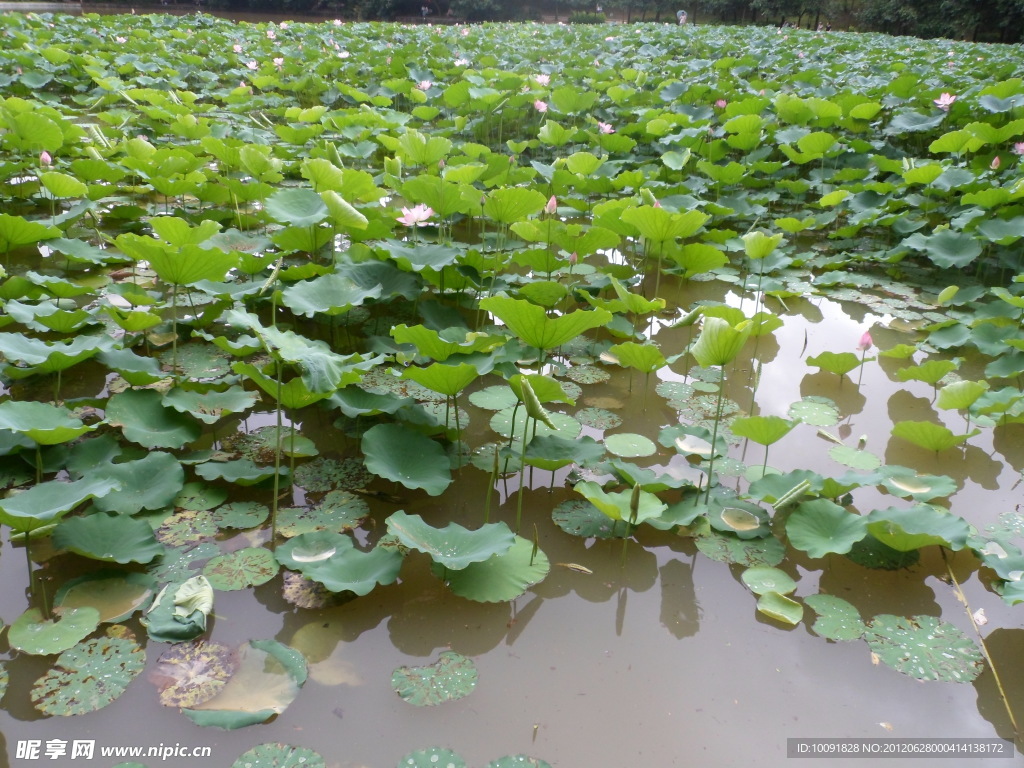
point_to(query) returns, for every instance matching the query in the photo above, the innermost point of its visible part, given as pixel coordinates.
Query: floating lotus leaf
(186, 527)
(517, 761)
(144, 420)
(453, 546)
(728, 548)
(565, 426)
(745, 519)
(109, 537)
(396, 453)
(266, 680)
(551, 452)
(339, 511)
(199, 361)
(241, 569)
(279, 756)
(587, 374)
(819, 527)
(198, 497)
(260, 445)
(854, 457)
(176, 565)
(871, 553)
(210, 406)
(44, 423)
(598, 418)
(187, 674)
(88, 676)
(579, 517)
(925, 648)
(629, 445)
(499, 578)
(44, 503)
(453, 676)
(762, 579)
(434, 757)
(239, 514)
(495, 398)
(323, 474)
(910, 485)
(152, 482)
(837, 619)
(31, 633)
(814, 410)
(617, 506)
(918, 526)
(240, 471)
(115, 595)
(780, 608)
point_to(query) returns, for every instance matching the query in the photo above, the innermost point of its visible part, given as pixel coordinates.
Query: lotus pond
(506, 395)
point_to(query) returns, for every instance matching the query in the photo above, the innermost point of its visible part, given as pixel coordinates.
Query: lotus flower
(271, 35)
(540, 106)
(424, 85)
(994, 165)
(237, 48)
(865, 343)
(542, 79)
(279, 62)
(252, 65)
(1018, 148)
(551, 206)
(44, 158)
(721, 103)
(605, 128)
(945, 101)
(416, 216)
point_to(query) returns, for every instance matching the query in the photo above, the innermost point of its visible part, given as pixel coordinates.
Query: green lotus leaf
(194, 595)
(48, 316)
(31, 633)
(930, 371)
(743, 518)
(135, 369)
(762, 579)
(44, 503)
(780, 608)
(109, 537)
(552, 452)
(578, 517)
(507, 205)
(919, 526)
(323, 474)
(396, 453)
(240, 514)
(279, 756)
(294, 393)
(645, 358)
(452, 677)
(433, 757)
(719, 341)
(693, 441)
(239, 471)
(660, 224)
(16, 231)
(565, 426)
(453, 546)
(297, 207)
(267, 679)
(209, 406)
(115, 595)
(819, 527)
(331, 560)
(925, 648)
(729, 548)
(961, 394)
(440, 345)
(149, 483)
(854, 458)
(545, 388)
(248, 567)
(901, 481)
(179, 611)
(176, 231)
(144, 420)
(757, 244)
(44, 423)
(332, 294)
(929, 435)
(198, 497)
(839, 363)
(814, 410)
(178, 265)
(27, 357)
(447, 379)
(629, 445)
(536, 329)
(518, 761)
(946, 248)
(191, 673)
(499, 578)
(837, 619)
(89, 676)
(763, 430)
(62, 185)
(617, 505)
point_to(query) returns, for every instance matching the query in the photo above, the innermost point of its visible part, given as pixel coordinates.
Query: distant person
(681, 17)
(424, 10)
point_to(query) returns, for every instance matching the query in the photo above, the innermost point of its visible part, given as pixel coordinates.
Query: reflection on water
(595, 666)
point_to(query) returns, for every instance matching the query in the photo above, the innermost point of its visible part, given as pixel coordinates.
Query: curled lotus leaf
(453, 676)
(453, 546)
(781, 608)
(89, 676)
(31, 633)
(925, 648)
(279, 756)
(44, 423)
(187, 674)
(179, 611)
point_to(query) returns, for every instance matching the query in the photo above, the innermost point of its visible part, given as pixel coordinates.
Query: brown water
(660, 660)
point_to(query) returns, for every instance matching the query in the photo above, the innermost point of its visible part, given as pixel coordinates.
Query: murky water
(659, 656)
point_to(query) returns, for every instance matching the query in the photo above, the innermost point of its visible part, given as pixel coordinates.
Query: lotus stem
(174, 329)
(277, 462)
(714, 434)
(522, 476)
(490, 487)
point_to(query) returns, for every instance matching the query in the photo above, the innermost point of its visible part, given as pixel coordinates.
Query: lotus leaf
(837, 619)
(728, 548)
(814, 410)
(332, 294)
(267, 679)
(501, 577)
(209, 406)
(780, 608)
(434, 757)
(198, 497)
(925, 648)
(144, 420)
(453, 676)
(331, 559)
(306, 593)
(618, 506)
(532, 324)
(199, 361)
(518, 761)
(240, 471)
(819, 527)
(598, 418)
(179, 611)
(453, 546)
(44, 423)
(31, 633)
(902, 481)
(115, 595)
(871, 553)
(110, 537)
(629, 445)
(396, 453)
(44, 503)
(89, 676)
(854, 458)
(260, 445)
(763, 430)
(240, 514)
(918, 526)
(279, 756)
(762, 579)
(738, 516)
(188, 674)
(175, 565)
(565, 426)
(551, 452)
(580, 517)
(339, 511)
(149, 483)
(186, 527)
(248, 567)
(719, 341)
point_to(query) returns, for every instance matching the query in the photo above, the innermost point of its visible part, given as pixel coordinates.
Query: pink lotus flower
(462, 62)
(994, 165)
(945, 101)
(1018, 148)
(542, 79)
(279, 62)
(465, 31)
(344, 54)
(605, 128)
(271, 35)
(865, 343)
(552, 205)
(45, 159)
(236, 48)
(252, 65)
(416, 216)
(540, 106)
(721, 103)
(336, 22)
(121, 40)
(424, 85)
(574, 258)
(657, 204)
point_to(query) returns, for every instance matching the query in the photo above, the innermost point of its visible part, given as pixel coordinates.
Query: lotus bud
(551, 206)
(574, 258)
(865, 342)
(45, 159)
(994, 165)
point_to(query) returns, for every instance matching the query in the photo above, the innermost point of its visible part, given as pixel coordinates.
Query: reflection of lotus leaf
(925, 648)
(187, 674)
(242, 568)
(451, 677)
(279, 756)
(581, 518)
(89, 676)
(871, 553)
(837, 619)
(30, 633)
(434, 757)
(501, 577)
(115, 595)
